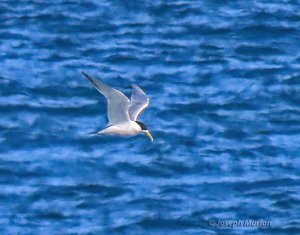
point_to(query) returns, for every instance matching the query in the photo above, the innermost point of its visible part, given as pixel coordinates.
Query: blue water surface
(223, 79)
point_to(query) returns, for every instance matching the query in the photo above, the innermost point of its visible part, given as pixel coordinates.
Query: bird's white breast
(125, 128)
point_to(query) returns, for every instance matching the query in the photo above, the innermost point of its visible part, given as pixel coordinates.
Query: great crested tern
(122, 112)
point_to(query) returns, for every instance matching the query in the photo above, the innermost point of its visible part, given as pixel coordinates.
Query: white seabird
(122, 112)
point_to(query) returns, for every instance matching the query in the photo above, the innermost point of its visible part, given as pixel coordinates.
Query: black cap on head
(142, 125)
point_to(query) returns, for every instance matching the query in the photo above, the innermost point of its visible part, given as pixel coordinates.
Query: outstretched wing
(138, 103)
(117, 102)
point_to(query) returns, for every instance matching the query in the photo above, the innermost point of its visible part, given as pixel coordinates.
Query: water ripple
(223, 79)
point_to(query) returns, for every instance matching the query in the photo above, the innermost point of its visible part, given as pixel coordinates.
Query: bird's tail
(93, 133)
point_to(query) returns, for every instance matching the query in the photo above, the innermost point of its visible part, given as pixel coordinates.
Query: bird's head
(145, 130)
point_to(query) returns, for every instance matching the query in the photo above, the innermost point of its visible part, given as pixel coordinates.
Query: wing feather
(138, 103)
(118, 103)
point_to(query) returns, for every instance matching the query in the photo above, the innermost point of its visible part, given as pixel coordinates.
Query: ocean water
(223, 79)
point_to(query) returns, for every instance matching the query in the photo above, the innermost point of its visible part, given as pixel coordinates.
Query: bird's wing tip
(87, 76)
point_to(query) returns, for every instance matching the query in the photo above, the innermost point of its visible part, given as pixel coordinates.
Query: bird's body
(122, 112)
(125, 128)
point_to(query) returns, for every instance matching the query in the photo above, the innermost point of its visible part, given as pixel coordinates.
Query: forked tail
(93, 133)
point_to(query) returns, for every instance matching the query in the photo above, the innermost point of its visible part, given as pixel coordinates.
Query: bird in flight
(122, 112)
